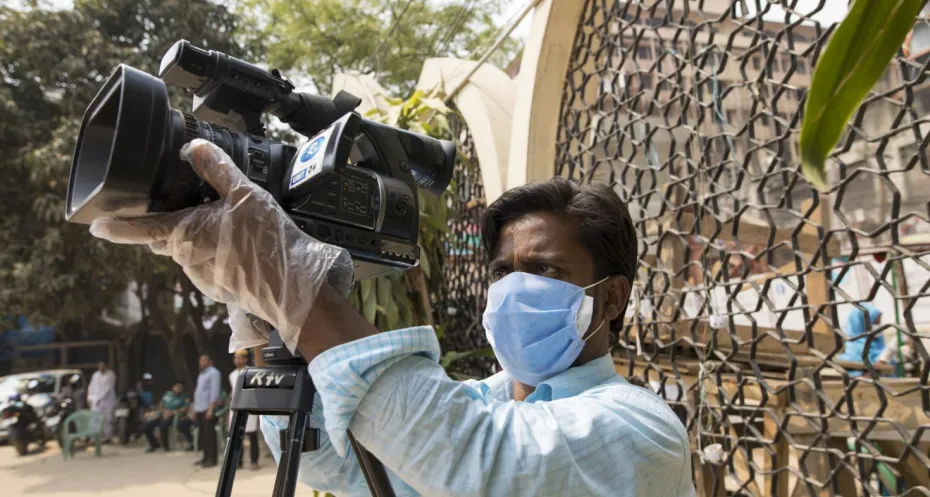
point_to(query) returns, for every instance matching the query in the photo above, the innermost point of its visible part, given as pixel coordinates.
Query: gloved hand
(241, 250)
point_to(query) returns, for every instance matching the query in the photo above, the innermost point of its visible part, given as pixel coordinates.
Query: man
(146, 396)
(101, 397)
(241, 361)
(206, 398)
(557, 421)
(173, 404)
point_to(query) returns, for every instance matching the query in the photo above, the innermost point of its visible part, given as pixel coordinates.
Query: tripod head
(282, 386)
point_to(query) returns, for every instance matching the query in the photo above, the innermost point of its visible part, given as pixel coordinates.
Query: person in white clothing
(241, 360)
(101, 396)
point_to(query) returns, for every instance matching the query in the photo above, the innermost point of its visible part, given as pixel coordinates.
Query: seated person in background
(879, 352)
(173, 403)
(146, 396)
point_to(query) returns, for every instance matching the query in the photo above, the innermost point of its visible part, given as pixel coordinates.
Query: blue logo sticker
(311, 151)
(299, 176)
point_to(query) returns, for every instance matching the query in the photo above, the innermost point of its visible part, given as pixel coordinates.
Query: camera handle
(284, 388)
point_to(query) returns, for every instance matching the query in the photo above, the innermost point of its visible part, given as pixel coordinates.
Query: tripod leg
(286, 479)
(374, 471)
(233, 452)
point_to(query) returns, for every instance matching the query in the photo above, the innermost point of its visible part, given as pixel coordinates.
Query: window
(732, 117)
(766, 120)
(645, 81)
(644, 52)
(801, 68)
(756, 62)
(917, 182)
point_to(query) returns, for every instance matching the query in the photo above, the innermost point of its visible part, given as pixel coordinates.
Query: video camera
(352, 184)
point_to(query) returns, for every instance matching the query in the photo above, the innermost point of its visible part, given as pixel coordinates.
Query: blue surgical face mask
(536, 324)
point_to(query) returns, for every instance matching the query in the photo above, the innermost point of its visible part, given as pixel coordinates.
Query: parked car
(40, 389)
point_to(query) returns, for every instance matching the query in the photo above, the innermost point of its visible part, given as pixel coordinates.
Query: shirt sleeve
(215, 386)
(323, 469)
(443, 439)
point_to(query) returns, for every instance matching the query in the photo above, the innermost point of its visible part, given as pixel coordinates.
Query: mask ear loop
(595, 330)
(598, 283)
(602, 319)
(636, 320)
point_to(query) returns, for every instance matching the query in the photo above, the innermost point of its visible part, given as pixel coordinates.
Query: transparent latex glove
(241, 250)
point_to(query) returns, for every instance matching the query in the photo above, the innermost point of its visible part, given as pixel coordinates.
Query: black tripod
(284, 387)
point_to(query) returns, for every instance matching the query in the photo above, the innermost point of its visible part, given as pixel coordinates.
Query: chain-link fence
(789, 324)
(465, 274)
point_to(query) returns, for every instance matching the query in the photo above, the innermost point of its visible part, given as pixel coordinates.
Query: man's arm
(323, 469)
(215, 390)
(443, 439)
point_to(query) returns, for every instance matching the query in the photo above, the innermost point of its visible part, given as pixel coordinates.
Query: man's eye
(499, 273)
(546, 269)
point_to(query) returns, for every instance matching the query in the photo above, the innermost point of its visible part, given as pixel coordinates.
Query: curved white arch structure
(540, 84)
(486, 103)
(364, 87)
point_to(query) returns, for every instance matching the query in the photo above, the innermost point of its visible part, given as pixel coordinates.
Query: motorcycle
(24, 425)
(55, 416)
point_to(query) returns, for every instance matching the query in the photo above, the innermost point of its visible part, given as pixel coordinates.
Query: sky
(833, 10)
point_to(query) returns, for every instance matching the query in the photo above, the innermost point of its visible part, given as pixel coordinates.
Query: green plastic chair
(87, 424)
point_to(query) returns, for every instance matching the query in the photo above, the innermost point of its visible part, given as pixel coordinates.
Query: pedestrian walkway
(123, 472)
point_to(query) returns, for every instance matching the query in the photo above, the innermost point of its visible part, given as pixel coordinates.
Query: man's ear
(618, 296)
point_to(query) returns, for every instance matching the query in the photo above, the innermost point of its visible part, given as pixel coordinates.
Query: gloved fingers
(214, 166)
(244, 334)
(149, 229)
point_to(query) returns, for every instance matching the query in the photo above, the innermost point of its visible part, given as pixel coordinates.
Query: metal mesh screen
(465, 275)
(753, 288)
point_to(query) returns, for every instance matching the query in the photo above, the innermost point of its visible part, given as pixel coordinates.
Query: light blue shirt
(208, 389)
(584, 432)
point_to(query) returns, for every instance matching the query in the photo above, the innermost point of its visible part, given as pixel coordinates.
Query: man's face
(101, 366)
(204, 362)
(548, 244)
(177, 388)
(240, 360)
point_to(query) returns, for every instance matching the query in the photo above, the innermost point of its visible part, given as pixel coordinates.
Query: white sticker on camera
(309, 159)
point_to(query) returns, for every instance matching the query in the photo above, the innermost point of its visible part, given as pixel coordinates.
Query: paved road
(123, 472)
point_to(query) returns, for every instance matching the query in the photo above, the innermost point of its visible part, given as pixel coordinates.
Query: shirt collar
(568, 383)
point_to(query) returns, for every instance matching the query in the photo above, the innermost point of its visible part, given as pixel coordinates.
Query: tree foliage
(54, 61)
(319, 38)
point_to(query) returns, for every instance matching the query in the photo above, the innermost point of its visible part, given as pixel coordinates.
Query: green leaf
(857, 54)
(366, 286)
(369, 307)
(434, 222)
(384, 290)
(435, 104)
(452, 356)
(424, 261)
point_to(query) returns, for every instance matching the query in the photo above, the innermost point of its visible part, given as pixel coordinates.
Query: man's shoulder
(625, 399)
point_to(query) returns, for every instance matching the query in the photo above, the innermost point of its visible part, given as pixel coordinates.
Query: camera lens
(127, 160)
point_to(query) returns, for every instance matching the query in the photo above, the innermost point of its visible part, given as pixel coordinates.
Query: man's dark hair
(604, 225)
(176, 383)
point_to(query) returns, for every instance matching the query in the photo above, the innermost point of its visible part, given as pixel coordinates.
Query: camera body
(352, 184)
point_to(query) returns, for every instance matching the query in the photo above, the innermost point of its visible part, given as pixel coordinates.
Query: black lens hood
(119, 148)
